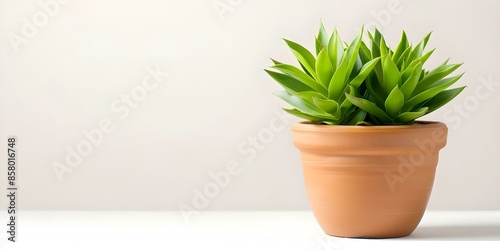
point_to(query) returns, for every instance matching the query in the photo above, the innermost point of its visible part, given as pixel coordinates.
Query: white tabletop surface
(236, 230)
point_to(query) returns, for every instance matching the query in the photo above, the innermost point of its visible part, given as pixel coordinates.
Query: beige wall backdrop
(164, 104)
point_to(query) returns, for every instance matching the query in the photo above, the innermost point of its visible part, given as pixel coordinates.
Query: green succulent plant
(356, 83)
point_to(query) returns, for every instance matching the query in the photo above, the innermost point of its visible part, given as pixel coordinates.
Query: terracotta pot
(369, 181)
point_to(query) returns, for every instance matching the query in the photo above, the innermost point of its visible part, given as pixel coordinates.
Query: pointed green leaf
(346, 104)
(303, 105)
(359, 116)
(328, 110)
(447, 81)
(412, 81)
(375, 52)
(324, 69)
(309, 95)
(426, 56)
(383, 48)
(302, 77)
(352, 53)
(290, 84)
(404, 56)
(376, 93)
(365, 53)
(377, 36)
(317, 45)
(338, 82)
(276, 62)
(329, 106)
(391, 76)
(423, 74)
(436, 75)
(417, 52)
(357, 67)
(431, 92)
(322, 39)
(426, 39)
(442, 98)
(403, 65)
(403, 44)
(299, 114)
(370, 108)
(409, 117)
(321, 102)
(409, 70)
(364, 72)
(305, 58)
(335, 50)
(375, 47)
(445, 62)
(394, 102)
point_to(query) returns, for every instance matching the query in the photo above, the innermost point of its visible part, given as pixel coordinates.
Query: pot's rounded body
(369, 181)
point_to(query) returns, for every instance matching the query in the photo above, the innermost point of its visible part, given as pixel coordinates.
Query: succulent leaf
(431, 92)
(324, 69)
(338, 82)
(305, 58)
(299, 75)
(358, 117)
(370, 108)
(404, 56)
(435, 75)
(409, 117)
(412, 81)
(391, 76)
(303, 105)
(364, 72)
(403, 44)
(394, 102)
(299, 114)
(290, 84)
(335, 49)
(442, 98)
(322, 39)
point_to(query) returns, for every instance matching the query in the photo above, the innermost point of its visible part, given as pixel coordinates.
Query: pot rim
(309, 126)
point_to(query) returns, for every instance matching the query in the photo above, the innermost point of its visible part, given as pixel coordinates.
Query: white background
(64, 77)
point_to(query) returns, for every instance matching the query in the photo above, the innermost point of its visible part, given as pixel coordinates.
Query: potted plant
(368, 165)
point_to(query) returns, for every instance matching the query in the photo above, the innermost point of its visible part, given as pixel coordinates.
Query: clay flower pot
(369, 181)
